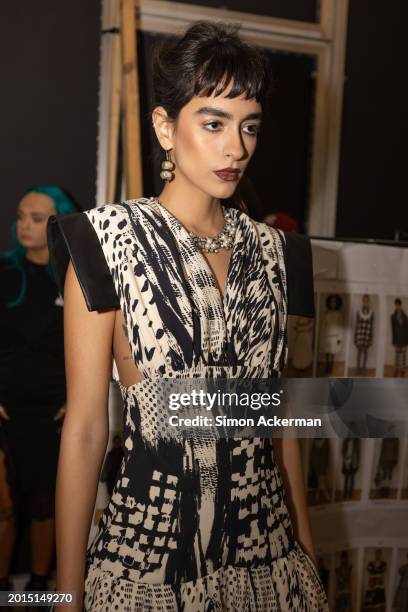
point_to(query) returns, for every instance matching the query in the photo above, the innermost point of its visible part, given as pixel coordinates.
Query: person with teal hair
(32, 383)
(54, 201)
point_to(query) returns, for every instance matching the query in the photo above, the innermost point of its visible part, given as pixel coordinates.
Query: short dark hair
(337, 298)
(204, 61)
(398, 301)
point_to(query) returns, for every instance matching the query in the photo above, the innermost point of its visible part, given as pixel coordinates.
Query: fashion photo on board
(386, 465)
(350, 465)
(319, 475)
(300, 349)
(364, 337)
(395, 360)
(376, 563)
(400, 599)
(345, 561)
(332, 336)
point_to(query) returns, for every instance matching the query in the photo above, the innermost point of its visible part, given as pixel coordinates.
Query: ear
(163, 127)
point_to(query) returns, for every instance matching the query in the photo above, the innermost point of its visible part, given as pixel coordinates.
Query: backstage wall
(50, 66)
(373, 190)
(49, 103)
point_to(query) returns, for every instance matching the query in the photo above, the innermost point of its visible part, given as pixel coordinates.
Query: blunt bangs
(204, 62)
(246, 73)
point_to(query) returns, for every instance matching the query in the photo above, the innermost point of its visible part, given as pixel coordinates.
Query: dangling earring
(168, 166)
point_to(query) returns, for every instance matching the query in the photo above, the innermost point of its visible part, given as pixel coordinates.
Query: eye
(253, 129)
(216, 123)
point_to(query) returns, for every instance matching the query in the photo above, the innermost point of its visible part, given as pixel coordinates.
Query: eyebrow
(218, 112)
(30, 212)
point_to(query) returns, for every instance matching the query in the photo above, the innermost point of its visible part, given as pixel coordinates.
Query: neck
(38, 256)
(196, 210)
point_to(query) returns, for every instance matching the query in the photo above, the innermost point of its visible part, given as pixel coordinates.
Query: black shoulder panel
(299, 275)
(73, 237)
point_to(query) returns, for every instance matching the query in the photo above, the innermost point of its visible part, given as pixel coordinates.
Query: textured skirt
(291, 583)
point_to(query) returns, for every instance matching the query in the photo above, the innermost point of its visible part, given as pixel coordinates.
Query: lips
(227, 175)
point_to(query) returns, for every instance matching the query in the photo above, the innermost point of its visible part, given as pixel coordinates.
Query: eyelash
(257, 128)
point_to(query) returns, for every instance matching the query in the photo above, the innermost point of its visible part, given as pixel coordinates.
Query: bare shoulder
(75, 303)
(88, 337)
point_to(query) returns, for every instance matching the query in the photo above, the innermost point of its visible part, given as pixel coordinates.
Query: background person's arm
(288, 456)
(88, 358)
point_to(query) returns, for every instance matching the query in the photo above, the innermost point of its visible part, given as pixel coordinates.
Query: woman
(332, 331)
(363, 333)
(400, 601)
(193, 524)
(32, 383)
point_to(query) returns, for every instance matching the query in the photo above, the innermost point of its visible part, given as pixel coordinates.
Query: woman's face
(32, 215)
(214, 134)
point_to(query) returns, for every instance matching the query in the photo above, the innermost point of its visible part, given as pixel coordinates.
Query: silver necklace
(223, 240)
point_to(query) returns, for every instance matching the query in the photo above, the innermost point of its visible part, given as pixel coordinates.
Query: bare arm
(88, 356)
(287, 451)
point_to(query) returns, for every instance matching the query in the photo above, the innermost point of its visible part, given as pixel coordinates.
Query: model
(332, 331)
(374, 595)
(319, 467)
(400, 601)
(32, 384)
(344, 572)
(387, 462)
(203, 291)
(399, 328)
(302, 357)
(350, 451)
(363, 333)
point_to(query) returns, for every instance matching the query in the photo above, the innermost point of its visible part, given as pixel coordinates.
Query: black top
(32, 372)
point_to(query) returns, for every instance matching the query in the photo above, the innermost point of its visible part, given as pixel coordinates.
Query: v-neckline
(222, 297)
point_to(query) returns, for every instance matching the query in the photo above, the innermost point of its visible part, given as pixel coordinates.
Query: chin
(25, 243)
(225, 191)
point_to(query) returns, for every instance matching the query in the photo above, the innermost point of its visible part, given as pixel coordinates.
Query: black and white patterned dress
(364, 328)
(195, 524)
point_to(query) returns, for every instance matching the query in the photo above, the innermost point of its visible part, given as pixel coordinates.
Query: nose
(24, 223)
(234, 146)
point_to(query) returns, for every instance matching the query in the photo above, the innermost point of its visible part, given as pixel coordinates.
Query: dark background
(373, 194)
(49, 100)
(50, 68)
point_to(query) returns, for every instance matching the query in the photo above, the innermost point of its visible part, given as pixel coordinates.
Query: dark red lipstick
(228, 174)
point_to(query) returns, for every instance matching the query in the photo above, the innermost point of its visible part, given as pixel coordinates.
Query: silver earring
(168, 166)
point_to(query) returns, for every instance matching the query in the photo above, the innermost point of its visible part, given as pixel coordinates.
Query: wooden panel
(299, 10)
(131, 139)
(50, 104)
